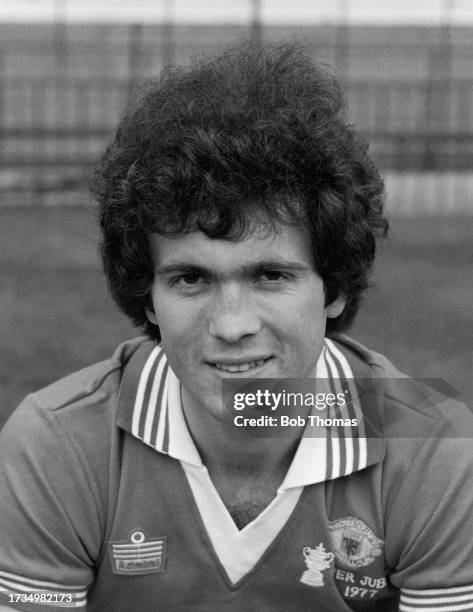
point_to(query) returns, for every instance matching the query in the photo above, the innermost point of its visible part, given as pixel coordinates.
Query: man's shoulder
(72, 418)
(94, 384)
(81, 405)
(376, 365)
(410, 407)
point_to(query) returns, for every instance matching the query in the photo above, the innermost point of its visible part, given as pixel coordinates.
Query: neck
(227, 449)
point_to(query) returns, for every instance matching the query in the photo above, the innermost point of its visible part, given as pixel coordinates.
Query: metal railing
(54, 122)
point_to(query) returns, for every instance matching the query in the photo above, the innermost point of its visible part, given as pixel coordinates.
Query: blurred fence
(410, 93)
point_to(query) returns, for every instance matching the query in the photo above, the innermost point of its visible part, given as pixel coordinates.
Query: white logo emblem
(354, 543)
(317, 560)
(138, 554)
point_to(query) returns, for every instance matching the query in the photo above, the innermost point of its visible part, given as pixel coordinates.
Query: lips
(239, 366)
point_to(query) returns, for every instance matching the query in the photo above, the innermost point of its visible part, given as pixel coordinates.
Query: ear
(335, 308)
(151, 316)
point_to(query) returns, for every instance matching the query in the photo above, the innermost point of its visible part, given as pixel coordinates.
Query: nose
(232, 315)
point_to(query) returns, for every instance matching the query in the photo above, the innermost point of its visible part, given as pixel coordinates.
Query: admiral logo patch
(138, 554)
(354, 543)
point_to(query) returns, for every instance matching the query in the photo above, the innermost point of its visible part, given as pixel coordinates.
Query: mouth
(238, 367)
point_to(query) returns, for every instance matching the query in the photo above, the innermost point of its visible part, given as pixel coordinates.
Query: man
(240, 215)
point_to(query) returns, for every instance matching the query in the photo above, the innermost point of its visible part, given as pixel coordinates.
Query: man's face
(226, 309)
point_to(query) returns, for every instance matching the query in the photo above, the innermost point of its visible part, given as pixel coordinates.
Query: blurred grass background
(57, 316)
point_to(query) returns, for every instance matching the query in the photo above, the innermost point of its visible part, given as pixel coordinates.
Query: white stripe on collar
(158, 421)
(330, 452)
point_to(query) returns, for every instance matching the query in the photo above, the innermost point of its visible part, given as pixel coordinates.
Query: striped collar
(150, 408)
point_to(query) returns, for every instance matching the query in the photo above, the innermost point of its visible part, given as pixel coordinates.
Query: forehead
(284, 244)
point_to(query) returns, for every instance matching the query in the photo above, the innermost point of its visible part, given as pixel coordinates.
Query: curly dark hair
(255, 134)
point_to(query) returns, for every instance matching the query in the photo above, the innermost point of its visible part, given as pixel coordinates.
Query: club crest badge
(354, 543)
(317, 561)
(138, 554)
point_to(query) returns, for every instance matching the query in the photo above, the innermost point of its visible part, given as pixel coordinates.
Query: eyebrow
(185, 266)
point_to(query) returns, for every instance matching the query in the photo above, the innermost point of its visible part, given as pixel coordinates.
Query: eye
(188, 283)
(188, 280)
(272, 276)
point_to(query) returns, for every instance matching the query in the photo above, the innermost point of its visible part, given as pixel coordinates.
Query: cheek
(306, 324)
(311, 306)
(178, 320)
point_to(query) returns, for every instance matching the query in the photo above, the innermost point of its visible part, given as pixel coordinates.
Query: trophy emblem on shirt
(317, 560)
